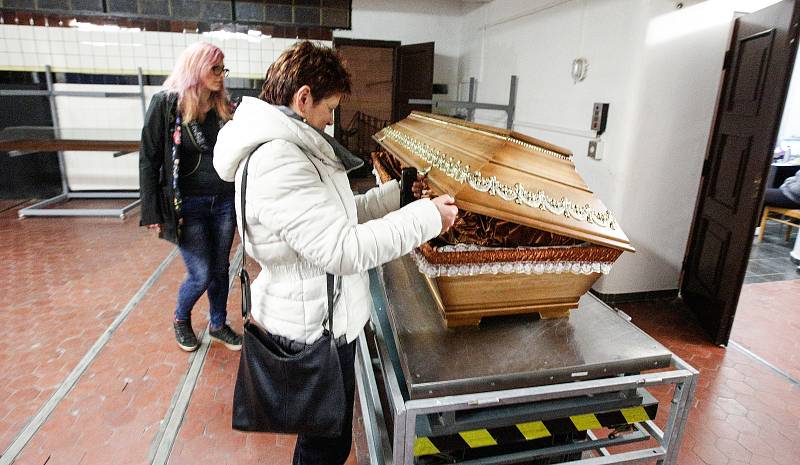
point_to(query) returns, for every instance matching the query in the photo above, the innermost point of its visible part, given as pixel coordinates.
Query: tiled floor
(767, 323)
(74, 283)
(64, 282)
(63, 289)
(769, 259)
(744, 411)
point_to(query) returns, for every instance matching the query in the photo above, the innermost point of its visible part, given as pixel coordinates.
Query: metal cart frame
(398, 449)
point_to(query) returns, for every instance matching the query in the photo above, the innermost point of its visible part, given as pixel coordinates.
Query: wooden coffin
(530, 235)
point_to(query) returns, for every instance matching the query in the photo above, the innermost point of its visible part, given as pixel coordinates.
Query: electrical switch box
(599, 117)
(595, 149)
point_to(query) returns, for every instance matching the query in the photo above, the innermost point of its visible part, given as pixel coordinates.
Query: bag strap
(244, 278)
(329, 329)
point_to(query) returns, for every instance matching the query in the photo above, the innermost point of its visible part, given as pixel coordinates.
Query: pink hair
(186, 80)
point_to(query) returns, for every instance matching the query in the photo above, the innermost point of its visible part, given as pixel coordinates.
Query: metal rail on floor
(162, 444)
(13, 450)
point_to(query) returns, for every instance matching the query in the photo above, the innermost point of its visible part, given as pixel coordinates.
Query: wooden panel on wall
(371, 73)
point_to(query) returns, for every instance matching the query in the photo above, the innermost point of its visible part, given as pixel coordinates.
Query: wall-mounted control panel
(599, 117)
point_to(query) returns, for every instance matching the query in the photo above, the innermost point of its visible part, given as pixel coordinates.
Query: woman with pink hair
(183, 198)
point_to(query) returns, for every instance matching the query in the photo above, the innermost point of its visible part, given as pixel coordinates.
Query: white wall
(89, 170)
(659, 68)
(670, 119)
(412, 22)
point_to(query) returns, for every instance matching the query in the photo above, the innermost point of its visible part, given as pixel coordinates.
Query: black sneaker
(184, 335)
(226, 336)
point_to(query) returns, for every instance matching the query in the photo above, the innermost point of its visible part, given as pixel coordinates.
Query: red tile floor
(745, 411)
(88, 301)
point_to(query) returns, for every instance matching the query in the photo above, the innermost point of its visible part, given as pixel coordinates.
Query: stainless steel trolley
(503, 392)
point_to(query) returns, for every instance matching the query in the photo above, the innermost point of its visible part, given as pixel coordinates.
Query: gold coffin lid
(504, 174)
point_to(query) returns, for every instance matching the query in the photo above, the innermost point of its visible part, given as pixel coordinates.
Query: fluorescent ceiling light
(251, 36)
(82, 26)
(749, 6)
(109, 44)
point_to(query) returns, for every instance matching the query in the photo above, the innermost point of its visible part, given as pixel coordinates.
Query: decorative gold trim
(516, 193)
(513, 140)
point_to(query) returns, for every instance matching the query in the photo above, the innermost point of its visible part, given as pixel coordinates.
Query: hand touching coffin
(446, 205)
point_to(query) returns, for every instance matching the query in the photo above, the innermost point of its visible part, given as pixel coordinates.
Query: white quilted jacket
(303, 221)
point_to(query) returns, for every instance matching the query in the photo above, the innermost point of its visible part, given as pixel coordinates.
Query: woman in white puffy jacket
(303, 220)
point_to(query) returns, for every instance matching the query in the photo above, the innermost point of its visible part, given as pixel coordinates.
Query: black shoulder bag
(279, 390)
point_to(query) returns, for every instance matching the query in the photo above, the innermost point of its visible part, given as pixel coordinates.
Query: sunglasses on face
(219, 70)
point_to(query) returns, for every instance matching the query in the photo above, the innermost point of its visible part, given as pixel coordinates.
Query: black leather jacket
(155, 166)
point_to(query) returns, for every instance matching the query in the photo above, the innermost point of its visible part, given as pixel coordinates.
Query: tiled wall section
(30, 48)
(113, 117)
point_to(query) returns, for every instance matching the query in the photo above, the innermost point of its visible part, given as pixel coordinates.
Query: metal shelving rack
(471, 105)
(40, 208)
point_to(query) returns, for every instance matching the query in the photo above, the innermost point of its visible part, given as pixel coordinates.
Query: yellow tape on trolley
(478, 438)
(635, 414)
(532, 430)
(585, 422)
(424, 446)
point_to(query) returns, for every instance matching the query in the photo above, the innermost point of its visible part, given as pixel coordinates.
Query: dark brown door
(758, 68)
(414, 78)
(371, 65)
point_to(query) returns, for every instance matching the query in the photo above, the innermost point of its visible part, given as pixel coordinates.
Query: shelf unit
(59, 143)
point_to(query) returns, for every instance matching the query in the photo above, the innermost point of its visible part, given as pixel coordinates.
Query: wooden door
(369, 106)
(757, 72)
(414, 77)
(371, 66)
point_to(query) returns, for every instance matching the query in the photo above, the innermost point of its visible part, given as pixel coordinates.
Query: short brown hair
(305, 63)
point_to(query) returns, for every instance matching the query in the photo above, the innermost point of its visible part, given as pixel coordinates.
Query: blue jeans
(209, 222)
